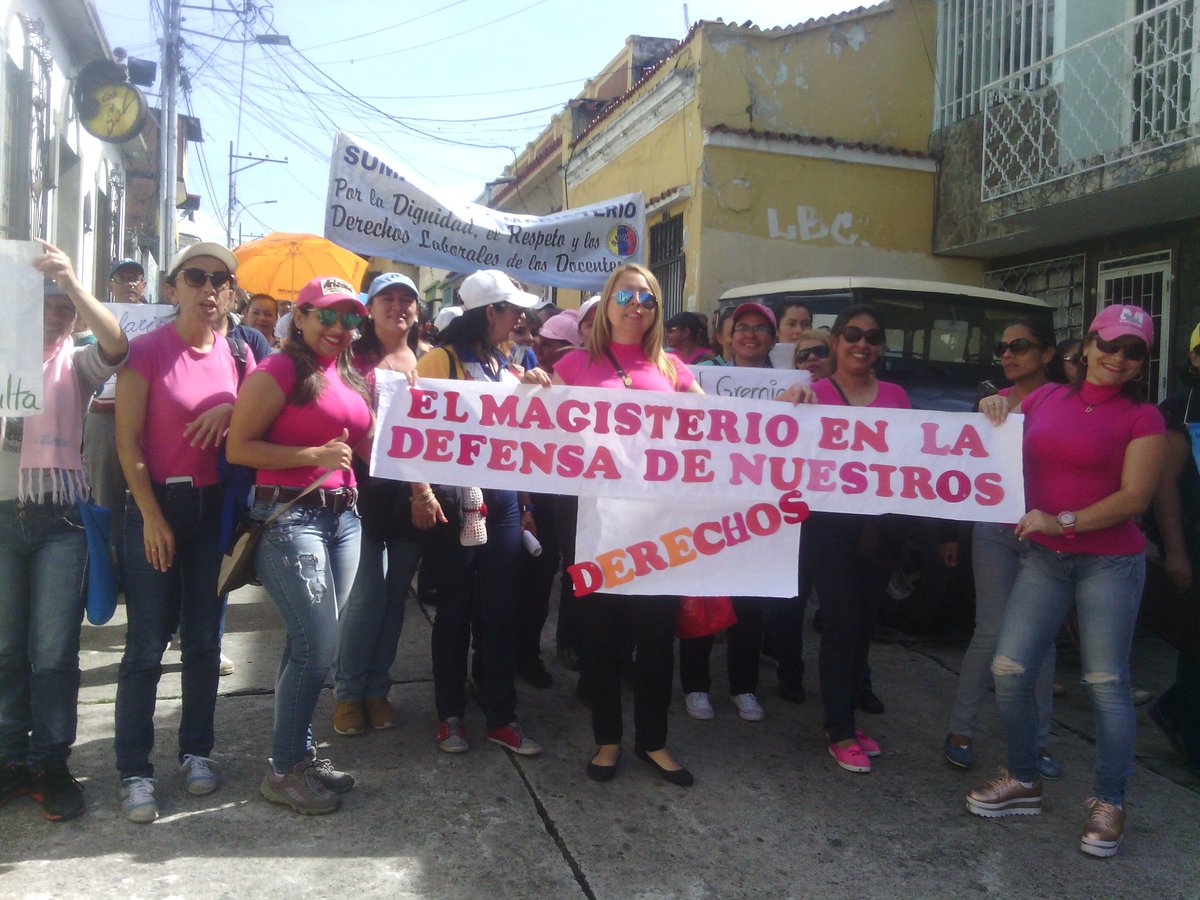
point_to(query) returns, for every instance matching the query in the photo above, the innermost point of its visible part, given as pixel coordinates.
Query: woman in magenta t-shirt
(299, 418)
(174, 399)
(1093, 453)
(850, 588)
(624, 352)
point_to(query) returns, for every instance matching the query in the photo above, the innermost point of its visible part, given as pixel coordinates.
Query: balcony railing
(1127, 91)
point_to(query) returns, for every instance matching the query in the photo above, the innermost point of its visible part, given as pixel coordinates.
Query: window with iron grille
(1163, 49)
(1060, 282)
(667, 262)
(982, 40)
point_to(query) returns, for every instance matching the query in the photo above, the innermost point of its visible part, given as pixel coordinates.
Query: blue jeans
(477, 588)
(1106, 592)
(995, 557)
(306, 560)
(374, 617)
(157, 604)
(43, 563)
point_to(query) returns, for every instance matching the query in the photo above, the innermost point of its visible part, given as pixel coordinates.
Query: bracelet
(423, 498)
(526, 507)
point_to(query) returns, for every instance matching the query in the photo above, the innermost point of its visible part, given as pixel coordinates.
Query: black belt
(339, 500)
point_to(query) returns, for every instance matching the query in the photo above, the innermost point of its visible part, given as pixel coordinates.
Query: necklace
(625, 379)
(1088, 407)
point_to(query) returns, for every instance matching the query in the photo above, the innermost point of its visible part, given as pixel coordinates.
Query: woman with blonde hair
(624, 352)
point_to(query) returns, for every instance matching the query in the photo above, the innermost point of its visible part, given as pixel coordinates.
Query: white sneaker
(198, 775)
(227, 666)
(698, 705)
(748, 707)
(137, 800)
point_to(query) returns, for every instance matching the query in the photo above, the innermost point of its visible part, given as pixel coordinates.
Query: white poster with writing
(376, 206)
(753, 383)
(21, 338)
(141, 318)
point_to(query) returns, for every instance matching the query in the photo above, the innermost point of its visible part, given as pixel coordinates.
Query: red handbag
(702, 616)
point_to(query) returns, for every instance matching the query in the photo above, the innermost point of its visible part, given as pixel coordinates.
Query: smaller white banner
(758, 384)
(141, 318)
(21, 339)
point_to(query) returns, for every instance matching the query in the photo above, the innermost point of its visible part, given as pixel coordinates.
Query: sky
(454, 88)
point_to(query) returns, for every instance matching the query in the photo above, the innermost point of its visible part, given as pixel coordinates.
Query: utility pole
(168, 137)
(252, 162)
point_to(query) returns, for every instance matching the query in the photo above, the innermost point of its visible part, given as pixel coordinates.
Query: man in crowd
(127, 282)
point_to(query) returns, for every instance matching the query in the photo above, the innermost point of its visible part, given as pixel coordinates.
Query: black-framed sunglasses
(329, 317)
(1132, 352)
(853, 334)
(645, 299)
(1019, 346)
(502, 306)
(196, 278)
(818, 352)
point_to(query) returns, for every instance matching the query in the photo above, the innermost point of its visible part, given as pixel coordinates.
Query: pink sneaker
(868, 745)
(852, 758)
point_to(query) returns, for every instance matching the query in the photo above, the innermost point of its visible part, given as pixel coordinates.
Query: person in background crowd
(126, 284)
(299, 418)
(587, 318)
(174, 399)
(850, 588)
(683, 334)
(261, 315)
(624, 352)
(1025, 351)
(813, 353)
(478, 582)
(373, 618)
(43, 547)
(795, 316)
(751, 338)
(724, 324)
(1064, 367)
(557, 335)
(1177, 519)
(1093, 454)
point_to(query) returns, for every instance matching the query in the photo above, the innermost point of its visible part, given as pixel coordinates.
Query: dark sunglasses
(1019, 346)
(501, 306)
(197, 277)
(1132, 352)
(1073, 359)
(819, 352)
(330, 317)
(644, 298)
(854, 334)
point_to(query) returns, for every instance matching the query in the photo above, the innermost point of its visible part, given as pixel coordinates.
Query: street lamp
(245, 207)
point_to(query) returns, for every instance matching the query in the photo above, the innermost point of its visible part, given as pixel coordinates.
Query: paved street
(770, 814)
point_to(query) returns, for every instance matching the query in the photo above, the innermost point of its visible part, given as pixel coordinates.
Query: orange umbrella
(280, 263)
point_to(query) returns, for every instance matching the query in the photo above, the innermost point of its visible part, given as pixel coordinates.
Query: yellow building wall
(866, 78)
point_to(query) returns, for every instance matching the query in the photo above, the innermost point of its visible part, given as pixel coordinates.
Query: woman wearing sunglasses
(1094, 451)
(174, 401)
(1025, 351)
(850, 587)
(813, 353)
(299, 419)
(624, 352)
(477, 585)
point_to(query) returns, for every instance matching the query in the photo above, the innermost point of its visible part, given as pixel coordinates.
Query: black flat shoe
(602, 773)
(681, 777)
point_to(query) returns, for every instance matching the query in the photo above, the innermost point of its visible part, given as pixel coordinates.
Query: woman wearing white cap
(174, 399)
(485, 575)
(1093, 452)
(298, 420)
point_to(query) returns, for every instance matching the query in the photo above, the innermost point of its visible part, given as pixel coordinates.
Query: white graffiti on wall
(810, 225)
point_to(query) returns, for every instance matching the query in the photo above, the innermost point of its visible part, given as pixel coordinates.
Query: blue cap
(391, 279)
(128, 262)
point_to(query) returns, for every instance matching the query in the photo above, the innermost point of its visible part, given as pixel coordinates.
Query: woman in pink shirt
(299, 418)
(174, 399)
(1093, 452)
(624, 352)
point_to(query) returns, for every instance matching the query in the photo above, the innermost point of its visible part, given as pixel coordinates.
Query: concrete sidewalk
(770, 815)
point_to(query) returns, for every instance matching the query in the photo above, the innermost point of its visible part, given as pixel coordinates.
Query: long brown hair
(309, 380)
(652, 340)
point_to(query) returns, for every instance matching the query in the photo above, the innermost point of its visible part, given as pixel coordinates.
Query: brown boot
(348, 717)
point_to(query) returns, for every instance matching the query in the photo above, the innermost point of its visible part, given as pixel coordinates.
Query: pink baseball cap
(325, 292)
(1117, 321)
(745, 309)
(562, 327)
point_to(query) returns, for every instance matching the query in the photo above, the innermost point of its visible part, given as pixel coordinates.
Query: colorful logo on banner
(622, 241)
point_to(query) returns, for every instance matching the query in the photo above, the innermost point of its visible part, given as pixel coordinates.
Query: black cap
(51, 289)
(123, 263)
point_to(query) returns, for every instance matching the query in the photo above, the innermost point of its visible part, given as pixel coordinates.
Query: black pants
(567, 635)
(743, 643)
(537, 579)
(604, 618)
(784, 626)
(850, 589)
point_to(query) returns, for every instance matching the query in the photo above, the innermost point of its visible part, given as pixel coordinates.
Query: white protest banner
(375, 206)
(736, 381)
(21, 341)
(140, 318)
(694, 447)
(697, 549)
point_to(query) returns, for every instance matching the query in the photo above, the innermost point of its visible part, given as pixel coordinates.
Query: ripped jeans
(306, 560)
(1106, 592)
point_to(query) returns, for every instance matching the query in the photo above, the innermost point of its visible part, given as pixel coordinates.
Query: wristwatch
(1066, 521)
